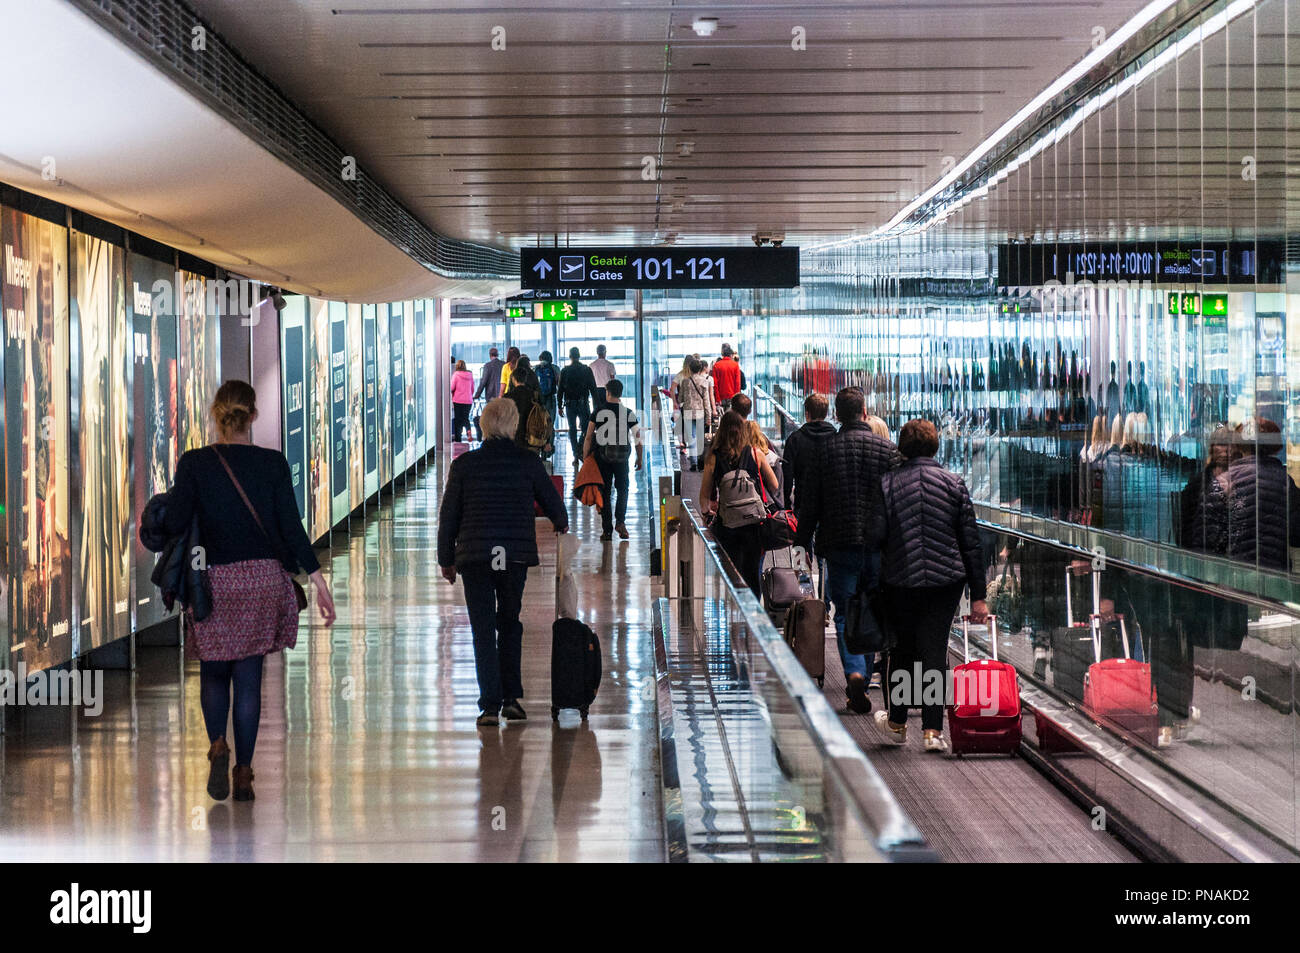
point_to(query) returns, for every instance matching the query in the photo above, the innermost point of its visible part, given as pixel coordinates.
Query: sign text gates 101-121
(659, 267)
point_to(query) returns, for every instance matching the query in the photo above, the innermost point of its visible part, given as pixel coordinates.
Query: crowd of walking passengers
(873, 513)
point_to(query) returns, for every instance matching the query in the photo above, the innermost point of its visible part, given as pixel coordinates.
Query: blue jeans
(493, 598)
(843, 568)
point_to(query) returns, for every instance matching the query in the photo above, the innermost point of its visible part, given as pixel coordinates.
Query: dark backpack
(546, 379)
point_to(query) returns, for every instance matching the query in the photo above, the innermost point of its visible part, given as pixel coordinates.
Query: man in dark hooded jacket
(800, 446)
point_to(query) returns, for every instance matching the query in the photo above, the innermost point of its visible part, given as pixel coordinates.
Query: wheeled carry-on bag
(805, 633)
(985, 715)
(575, 650)
(1119, 690)
(783, 586)
(1072, 648)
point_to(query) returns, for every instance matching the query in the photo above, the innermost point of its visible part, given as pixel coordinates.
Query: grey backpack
(739, 501)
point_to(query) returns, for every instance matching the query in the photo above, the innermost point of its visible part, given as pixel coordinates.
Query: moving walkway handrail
(789, 418)
(894, 835)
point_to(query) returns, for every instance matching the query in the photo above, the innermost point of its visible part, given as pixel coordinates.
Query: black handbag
(864, 621)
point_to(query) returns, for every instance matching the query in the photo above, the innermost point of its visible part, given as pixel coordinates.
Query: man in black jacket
(837, 490)
(577, 390)
(801, 445)
(486, 532)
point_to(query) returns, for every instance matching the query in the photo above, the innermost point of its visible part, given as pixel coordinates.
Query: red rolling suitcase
(1119, 690)
(985, 715)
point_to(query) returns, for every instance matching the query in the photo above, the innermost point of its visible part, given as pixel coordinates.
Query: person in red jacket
(726, 376)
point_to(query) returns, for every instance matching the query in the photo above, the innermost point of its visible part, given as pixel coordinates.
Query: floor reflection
(368, 748)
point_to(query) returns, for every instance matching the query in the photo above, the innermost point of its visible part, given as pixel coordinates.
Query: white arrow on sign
(541, 268)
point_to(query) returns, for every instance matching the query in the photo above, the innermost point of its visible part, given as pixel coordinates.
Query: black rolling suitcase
(575, 651)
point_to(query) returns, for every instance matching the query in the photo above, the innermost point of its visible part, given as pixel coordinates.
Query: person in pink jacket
(462, 396)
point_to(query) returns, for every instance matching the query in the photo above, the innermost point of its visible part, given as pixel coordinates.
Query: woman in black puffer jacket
(925, 525)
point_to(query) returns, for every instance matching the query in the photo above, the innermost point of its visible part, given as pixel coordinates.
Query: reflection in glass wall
(1099, 324)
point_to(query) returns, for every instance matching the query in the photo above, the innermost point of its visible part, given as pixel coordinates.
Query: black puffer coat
(1260, 506)
(837, 486)
(488, 503)
(925, 524)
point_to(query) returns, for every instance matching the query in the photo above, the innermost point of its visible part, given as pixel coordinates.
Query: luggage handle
(965, 636)
(1094, 624)
(1123, 634)
(1069, 599)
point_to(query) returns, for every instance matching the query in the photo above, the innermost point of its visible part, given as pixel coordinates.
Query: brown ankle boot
(243, 782)
(219, 772)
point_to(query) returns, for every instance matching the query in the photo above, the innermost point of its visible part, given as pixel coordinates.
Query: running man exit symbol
(573, 268)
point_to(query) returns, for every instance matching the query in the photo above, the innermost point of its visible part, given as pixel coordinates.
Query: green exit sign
(1182, 302)
(554, 311)
(516, 311)
(1214, 305)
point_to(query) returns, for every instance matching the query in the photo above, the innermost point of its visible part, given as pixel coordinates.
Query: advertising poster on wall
(410, 379)
(154, 413)
(37, 494)
(422, 311)
(101, 476)
(200, 358)
(318, 417)
(370, 330)
(397, 392)
(356, 409)
(293, 374)
(383, 403)
(339, 419)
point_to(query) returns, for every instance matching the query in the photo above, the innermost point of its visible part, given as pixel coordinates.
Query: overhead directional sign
(658, 267)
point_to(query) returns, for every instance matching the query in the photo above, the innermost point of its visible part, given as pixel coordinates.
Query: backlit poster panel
(423, 309)
(397, 394)
(356, 408)
(293, 374)
(200, 370)
(37, 494)
(101, 477)
(154, 415)
(339, 420)
(318, 419)
(370, 338)
(383, 403)
(409, 381)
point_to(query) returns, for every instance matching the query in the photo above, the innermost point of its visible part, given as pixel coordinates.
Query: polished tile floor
(368, 749)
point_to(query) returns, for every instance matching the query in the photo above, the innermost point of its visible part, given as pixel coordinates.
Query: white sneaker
(1193, 713)
(897, 735)
(935, 742)
(1165, 738)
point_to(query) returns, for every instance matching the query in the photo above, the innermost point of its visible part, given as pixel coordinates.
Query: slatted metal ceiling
(550, 134)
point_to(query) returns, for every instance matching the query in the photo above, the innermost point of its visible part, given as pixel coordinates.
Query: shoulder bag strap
(248, 503)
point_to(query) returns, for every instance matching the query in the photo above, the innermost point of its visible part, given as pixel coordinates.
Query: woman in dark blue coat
(925, 525)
